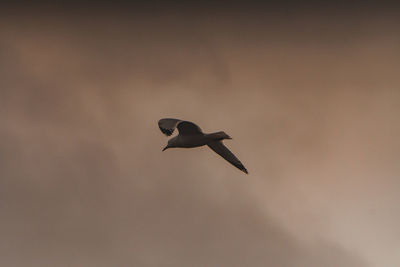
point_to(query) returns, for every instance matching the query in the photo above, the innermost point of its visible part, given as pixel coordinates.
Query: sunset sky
(309, 93)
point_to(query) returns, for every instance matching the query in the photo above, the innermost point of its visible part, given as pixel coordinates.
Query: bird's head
(169, 145)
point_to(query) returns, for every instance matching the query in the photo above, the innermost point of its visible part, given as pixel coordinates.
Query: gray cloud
(84, 182)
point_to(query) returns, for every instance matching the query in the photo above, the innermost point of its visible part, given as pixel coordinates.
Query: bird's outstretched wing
(167, 126)
(224, 152)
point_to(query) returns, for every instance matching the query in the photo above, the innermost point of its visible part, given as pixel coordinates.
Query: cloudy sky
(310, 96)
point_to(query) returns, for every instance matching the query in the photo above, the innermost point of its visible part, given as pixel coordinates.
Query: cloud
(84, 182)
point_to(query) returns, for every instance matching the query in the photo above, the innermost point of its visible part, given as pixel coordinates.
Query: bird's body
(188, 141)
(190, 135)
(195, 140)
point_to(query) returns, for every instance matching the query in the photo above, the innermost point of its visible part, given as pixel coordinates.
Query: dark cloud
(311, 105)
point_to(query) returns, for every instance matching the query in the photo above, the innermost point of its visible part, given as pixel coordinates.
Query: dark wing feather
(224, 152)
(167, 126)
(188, 128)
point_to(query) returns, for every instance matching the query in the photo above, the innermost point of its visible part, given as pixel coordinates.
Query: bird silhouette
(190, 135)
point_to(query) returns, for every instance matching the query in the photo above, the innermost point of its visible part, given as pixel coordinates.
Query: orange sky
(311, 101)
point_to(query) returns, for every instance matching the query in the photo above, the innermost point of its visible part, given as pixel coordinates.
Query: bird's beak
(165, 148)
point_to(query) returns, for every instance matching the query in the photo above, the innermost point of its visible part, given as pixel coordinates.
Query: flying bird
(190, 135)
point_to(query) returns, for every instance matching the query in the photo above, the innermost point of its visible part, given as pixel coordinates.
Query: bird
(190, 135)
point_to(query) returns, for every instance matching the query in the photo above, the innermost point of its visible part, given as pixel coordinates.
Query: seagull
(190, 135)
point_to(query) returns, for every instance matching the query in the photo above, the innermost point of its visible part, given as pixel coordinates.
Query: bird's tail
(220, 136)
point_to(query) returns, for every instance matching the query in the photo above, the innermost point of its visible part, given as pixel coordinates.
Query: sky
(309, 94)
